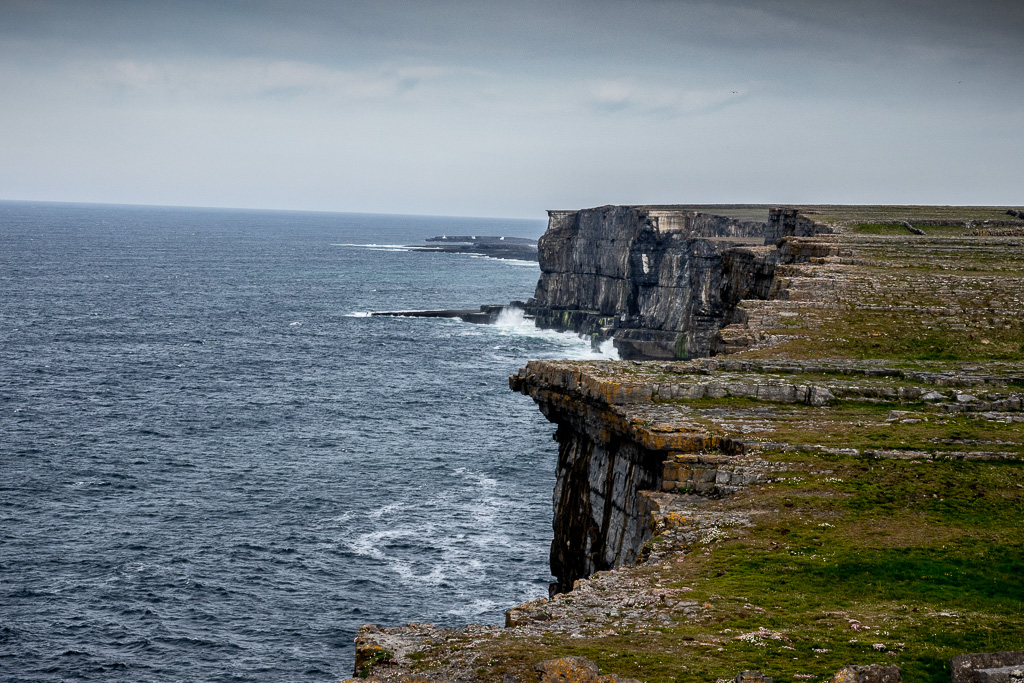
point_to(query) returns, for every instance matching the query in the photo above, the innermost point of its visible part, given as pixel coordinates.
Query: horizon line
(245, 208)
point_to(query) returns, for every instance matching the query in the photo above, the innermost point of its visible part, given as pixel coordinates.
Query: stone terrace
(843, 484)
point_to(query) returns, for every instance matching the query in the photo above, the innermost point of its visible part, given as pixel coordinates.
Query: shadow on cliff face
(660, 282)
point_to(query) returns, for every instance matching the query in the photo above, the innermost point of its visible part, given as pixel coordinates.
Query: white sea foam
(520, 263)
(381, 511)
(371, 544)
(375, 247)
(513, 322)
(368, 545)
(406, 574)
(476, 608)
(607, 349)
(358, 314)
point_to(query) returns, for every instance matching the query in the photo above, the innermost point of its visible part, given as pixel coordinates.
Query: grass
(952, 230)
(922, 560)
(858, 334)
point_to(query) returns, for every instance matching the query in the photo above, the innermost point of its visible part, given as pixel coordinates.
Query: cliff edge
(834, 477)
(679, 282)
(654, 279)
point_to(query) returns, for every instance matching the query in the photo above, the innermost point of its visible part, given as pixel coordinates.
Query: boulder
(988, 667)
(870, 673)
(752, 677)
(575, 670)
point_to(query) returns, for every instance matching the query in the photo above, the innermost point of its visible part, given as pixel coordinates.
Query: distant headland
(493, 246)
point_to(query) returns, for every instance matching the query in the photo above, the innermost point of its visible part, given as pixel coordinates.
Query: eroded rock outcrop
(615, 448)
(988, 667)
(870, 426)
(660, 281)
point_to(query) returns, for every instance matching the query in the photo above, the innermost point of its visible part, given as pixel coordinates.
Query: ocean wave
(476, 608)
(375, 247)
(513, 322)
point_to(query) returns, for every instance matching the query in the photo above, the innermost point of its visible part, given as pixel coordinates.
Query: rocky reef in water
(492, 246)
(829, 487)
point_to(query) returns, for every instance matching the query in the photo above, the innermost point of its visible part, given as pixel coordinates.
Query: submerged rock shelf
(493, 246)
(834, 477)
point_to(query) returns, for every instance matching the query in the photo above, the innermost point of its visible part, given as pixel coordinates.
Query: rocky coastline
(663, 281)
(492, 246)
(815, 473)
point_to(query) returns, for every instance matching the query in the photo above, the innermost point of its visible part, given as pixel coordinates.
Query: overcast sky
(509, 108)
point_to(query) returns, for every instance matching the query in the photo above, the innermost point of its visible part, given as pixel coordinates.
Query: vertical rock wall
(601, 519)
(652, 279)
(663, 283)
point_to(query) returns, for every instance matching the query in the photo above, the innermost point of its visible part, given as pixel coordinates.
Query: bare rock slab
(988, 667)
(870, 673)
(575, 670)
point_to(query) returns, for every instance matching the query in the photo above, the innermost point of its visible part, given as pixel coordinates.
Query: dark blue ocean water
(214, 467)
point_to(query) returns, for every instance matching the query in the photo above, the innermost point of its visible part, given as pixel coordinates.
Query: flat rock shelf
(828, 485)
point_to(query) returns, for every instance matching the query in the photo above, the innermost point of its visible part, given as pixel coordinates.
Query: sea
(215, 465)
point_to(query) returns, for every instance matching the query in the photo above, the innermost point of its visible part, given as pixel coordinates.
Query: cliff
(610, 454)
(664, 281)
(840, 481)
(655, 279)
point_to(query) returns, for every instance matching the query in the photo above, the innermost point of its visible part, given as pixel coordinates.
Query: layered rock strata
(657, 280)
(989, 667)
(623, 434)
(688, 282)
(500, 247)
(839, 484)
(487, 314)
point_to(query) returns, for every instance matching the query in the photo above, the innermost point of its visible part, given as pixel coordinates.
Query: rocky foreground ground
(841, 486)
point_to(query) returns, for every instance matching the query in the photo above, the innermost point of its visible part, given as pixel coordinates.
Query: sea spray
(513, 321)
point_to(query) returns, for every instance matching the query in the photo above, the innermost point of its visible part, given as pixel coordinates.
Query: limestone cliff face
(663, 283)
(610, 459)
(605, 519)
(601, 519)
(660, 281)
(655, 280)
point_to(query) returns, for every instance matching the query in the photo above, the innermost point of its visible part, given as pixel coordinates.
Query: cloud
(256, 79)
(404, 105)
(613, 96)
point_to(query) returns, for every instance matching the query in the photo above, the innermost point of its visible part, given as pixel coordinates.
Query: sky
(506, 109)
